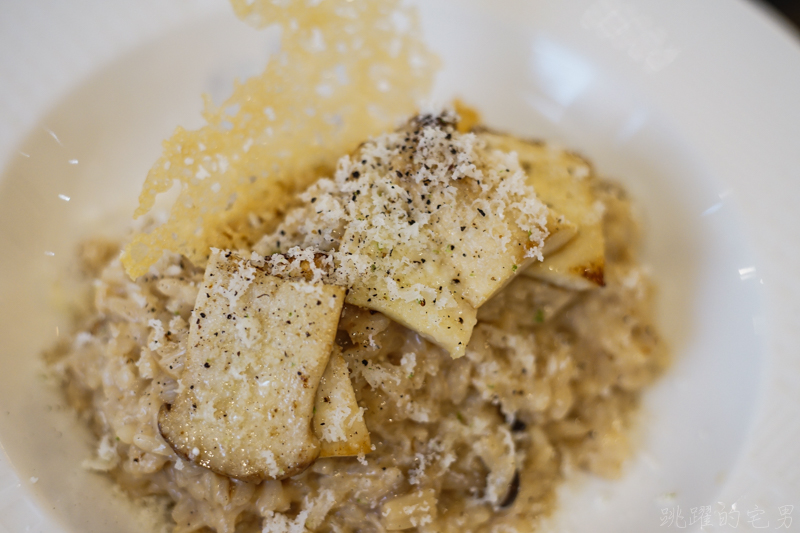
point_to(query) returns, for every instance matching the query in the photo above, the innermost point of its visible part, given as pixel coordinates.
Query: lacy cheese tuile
(346, 71)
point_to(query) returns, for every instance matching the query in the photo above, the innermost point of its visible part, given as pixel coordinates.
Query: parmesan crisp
(346, 71)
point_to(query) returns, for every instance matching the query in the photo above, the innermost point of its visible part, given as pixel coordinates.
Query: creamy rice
(549, 383)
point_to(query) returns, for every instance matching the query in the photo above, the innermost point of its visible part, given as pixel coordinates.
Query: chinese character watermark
(756, 518)
(785, 521)
(724, 516)
(728, 518)
(701, 515)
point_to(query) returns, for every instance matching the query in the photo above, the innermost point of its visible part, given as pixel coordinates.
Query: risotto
(452, 406)
(423, 332)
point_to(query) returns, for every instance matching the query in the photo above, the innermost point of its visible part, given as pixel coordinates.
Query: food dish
(425, 433)
(422, 335)
(743, 264)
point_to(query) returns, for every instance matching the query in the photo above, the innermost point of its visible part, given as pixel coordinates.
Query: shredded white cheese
(280, 523)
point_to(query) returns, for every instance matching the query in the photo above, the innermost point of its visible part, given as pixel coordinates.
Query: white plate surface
(693, 105)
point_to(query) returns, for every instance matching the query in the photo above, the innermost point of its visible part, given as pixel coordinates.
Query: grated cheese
(156, 337)
(280, 523)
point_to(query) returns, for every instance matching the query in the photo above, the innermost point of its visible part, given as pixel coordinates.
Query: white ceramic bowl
(692, 105)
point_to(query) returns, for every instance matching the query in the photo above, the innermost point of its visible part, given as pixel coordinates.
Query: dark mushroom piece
(513, 492)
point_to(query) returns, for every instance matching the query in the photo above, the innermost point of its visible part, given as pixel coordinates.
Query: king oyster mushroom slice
(338, 421)
(258, 346)
(463, 223)
(563, 180)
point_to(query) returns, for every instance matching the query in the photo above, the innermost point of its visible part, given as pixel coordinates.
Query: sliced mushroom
(258, 346)
(338, 421)
(467, 244)
(563, 181)
(512, 493)
(497, 451)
